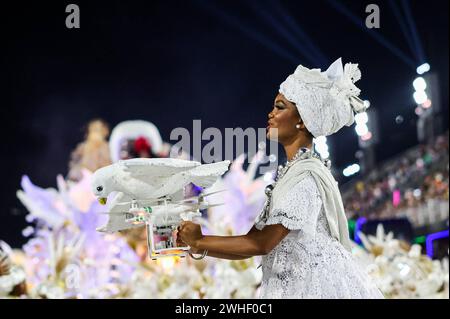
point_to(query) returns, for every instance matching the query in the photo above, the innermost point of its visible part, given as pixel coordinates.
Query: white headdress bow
(344, 87)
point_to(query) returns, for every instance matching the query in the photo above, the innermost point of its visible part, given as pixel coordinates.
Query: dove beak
(102, 200)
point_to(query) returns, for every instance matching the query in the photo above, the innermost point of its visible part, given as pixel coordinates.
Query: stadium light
(351, 170)
(361, 118)
(427, 104)
(320, 145)
(420, 97)
(367, 136)
(424, 68)
(420, 84)
(361, 129)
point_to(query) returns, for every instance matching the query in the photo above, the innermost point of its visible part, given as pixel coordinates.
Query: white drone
(153, 191)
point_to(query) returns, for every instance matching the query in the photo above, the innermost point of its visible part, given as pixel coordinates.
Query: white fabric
(309, 262)
(328, 189)
(326, 101)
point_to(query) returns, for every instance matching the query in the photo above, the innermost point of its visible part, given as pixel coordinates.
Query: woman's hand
(181, 243)
(190, 234)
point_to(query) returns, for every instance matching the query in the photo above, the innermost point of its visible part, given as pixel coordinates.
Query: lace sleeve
(299, 208)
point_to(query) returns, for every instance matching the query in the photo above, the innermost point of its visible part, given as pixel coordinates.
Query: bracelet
(205, 252)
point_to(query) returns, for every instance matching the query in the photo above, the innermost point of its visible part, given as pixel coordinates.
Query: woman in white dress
(302, 232)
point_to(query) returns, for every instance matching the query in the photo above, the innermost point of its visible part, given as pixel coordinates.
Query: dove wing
(153, 167)
(206, 175)
(116, 222)
(201, 175)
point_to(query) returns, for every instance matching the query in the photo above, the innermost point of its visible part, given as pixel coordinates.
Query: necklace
(302, 153)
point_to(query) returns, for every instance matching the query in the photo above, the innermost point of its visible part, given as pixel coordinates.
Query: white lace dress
(308, 262)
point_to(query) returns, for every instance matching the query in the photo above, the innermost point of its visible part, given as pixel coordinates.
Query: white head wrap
(326, 101)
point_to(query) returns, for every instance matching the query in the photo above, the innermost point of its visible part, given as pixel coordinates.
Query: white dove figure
(149, 179)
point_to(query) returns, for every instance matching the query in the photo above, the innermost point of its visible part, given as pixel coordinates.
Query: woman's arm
(254, 243)
(222, 255)
(225, 256)
(215, 254)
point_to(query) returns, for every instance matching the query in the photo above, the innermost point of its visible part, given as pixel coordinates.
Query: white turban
(326, 101)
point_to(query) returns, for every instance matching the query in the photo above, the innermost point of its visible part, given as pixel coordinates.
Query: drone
(150, 193)
(162, 220)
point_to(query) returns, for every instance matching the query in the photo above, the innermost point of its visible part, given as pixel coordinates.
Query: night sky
(170, 62)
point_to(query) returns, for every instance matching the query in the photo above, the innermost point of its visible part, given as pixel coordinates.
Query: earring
(297, 126)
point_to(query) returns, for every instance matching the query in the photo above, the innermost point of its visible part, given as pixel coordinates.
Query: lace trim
(281, 217)
(309, 263)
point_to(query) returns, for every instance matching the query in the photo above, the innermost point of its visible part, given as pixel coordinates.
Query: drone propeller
(201, 196)
(118, 213)
(114, 213)
(149, 201)
(197, 208)
(216, 192)
(207, 206)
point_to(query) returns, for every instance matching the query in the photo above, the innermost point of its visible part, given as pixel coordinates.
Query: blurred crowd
(413, 185)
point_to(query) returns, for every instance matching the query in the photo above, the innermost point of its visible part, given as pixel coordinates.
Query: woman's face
(283, 119)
